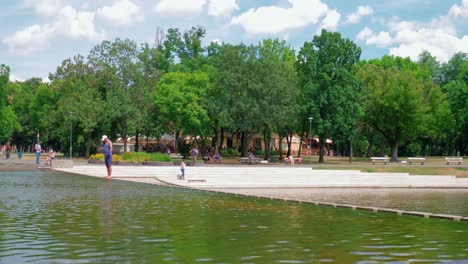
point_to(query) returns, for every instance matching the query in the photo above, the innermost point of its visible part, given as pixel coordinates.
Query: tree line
(390, 105)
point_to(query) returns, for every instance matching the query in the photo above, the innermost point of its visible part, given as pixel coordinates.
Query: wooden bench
(385, 160)
(458, 160)
(411, 160)
(247, 160)
(196, 180)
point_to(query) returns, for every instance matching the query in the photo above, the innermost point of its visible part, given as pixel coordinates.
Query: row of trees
(180, 86)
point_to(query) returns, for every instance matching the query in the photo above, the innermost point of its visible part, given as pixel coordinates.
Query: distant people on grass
(107, 155)
(194, 154)
(38, 150)
(218, 157)
(50, 158)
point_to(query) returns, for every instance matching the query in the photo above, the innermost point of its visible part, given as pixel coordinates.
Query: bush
(98, 156)
(134, 157)
(231, 152)
(116, 157)
(143, 156)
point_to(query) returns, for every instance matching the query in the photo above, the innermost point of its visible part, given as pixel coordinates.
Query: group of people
(50, 156)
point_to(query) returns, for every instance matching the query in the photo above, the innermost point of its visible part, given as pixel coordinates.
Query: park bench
(247, 160)
(458, 160)
(411, 160)
(385, 160)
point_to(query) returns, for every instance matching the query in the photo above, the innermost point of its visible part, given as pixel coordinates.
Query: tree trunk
(221, 139)
(394, 152)
(280, 147)
(88, 145)
(244, 144)
(289, 141)
(321, 147)
(125, 137)
(267, 139)
(136, 140)
(350, 142)
(300, 144)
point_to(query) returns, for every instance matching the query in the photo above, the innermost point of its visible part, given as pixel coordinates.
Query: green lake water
(63, 218)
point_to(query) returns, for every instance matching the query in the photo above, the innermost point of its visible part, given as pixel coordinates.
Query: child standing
(182, 169)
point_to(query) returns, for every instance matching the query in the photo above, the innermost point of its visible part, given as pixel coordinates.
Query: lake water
(62, 218)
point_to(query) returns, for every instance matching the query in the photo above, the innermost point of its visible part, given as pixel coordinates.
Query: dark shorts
(108, 159)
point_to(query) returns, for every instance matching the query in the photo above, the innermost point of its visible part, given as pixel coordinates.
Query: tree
(115, 64)
(455, 85)
(178, 98)
(8, 120)
(399, 104)
(330, 92)
(80, 103)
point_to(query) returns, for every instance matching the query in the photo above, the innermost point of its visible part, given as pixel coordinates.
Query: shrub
(143, 156)
(98, 156)
(116, 157)
(231, 152)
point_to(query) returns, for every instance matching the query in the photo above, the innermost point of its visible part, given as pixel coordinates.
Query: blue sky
(37, 35)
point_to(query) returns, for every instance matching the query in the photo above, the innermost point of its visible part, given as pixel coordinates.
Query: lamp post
(71, 136)
(310, 140)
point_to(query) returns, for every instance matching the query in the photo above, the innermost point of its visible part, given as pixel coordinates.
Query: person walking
(38, 150)
(108, 155)
(182, 169)
(7, 150)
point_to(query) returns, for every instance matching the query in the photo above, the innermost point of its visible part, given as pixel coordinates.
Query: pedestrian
(194, 154)
(50, 158)
(182, 169)
(7, 150)
(107, 155)
(38, 150)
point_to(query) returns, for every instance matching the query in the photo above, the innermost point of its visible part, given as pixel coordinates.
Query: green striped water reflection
(62, 218)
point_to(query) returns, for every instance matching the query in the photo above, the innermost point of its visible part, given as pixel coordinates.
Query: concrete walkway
(272, 177)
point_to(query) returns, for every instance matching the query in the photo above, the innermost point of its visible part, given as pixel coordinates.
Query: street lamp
(310, 140)
(71, 136)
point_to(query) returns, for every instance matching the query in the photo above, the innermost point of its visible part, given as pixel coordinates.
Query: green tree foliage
(80, 104)
(455, 85)
(329, 89)
(402, 103)
(115, 64)
(179, 98)
(8, 119)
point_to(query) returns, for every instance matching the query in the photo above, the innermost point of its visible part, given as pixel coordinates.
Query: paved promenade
(216, 177)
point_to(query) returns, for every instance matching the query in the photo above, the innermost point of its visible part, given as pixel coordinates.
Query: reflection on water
(61, 218)
(442, 201)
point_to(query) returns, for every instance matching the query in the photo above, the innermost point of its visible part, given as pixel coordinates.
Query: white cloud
(221, 7)
(179, 7)
(70, 23)
(29, 39)
(121, 13)
(381, 40)
(14, 78)
(274, 19)
(76, 24)
(331, 20)
(45, 7)
(362, 11)
(410, 38)
(364, 34)
(459, 11)
(439, 43)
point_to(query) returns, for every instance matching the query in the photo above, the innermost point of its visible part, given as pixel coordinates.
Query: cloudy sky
(36, 35)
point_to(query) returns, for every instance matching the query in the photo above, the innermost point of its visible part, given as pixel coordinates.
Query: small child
(50, 157)
(182, 169)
